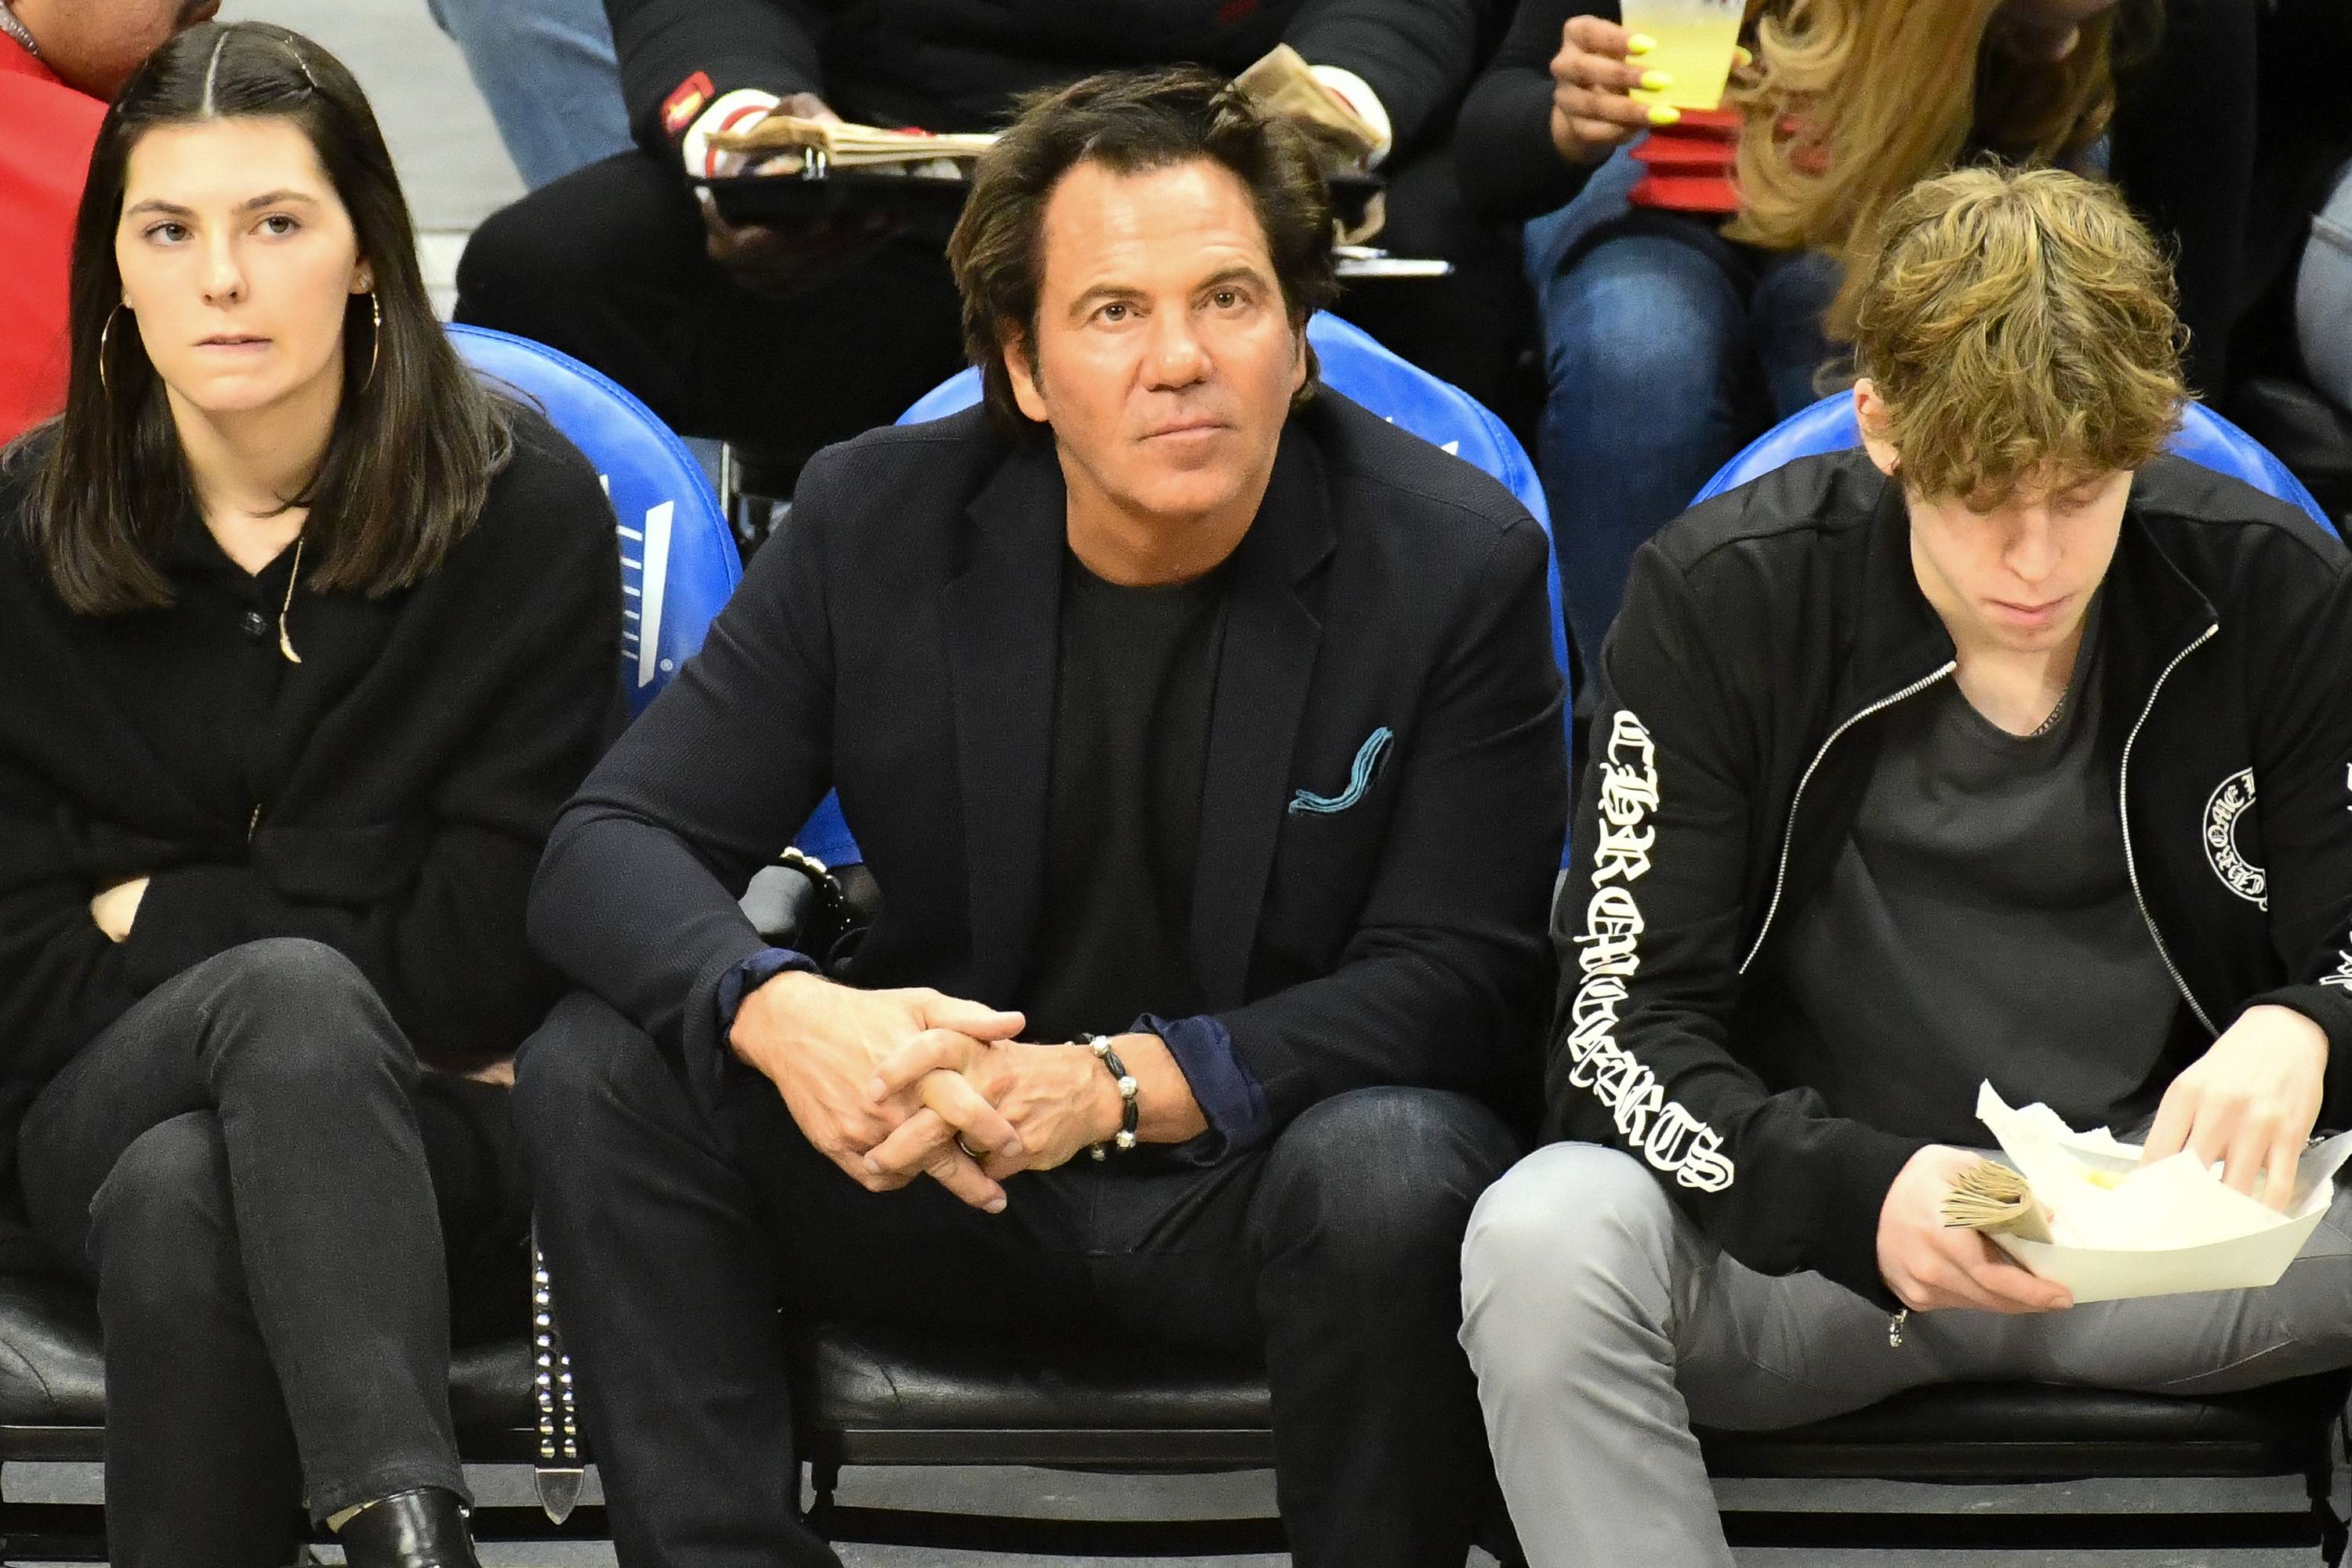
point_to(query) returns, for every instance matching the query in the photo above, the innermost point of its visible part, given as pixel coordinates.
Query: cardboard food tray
(2188, 1214)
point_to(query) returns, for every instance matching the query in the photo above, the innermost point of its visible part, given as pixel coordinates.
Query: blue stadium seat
(2204, 438)
(1356, 365)
(679, 561)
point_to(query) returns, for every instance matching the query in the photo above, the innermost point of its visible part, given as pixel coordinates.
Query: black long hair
(416, 439)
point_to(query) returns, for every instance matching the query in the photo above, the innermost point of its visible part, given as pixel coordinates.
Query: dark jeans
(607, 264)
(259, 1179)
(673, 1239)
(1667, 348)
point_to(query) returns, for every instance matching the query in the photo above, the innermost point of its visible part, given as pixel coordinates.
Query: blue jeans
(2323, 295)
(546, 68)
(1667, 348)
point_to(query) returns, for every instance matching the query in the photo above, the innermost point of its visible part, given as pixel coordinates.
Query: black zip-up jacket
(1761, 635)
(955, 65)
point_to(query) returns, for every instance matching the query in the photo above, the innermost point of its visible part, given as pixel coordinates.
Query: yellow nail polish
(1743, 57)
(1663, 114)
(1640, 44)
(1658, 81)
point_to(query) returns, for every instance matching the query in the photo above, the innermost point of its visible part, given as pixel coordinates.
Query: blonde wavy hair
(2020, 327)
(1853, 100)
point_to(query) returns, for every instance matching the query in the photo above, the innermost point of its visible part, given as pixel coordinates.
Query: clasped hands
(2248, 1104)
(894, 1085)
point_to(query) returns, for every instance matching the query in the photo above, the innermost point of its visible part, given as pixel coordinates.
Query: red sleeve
(46, 130)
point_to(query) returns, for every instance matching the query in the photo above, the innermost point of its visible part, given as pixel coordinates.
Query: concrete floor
(456, 174)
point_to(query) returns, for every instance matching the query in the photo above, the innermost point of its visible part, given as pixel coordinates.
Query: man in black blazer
(1202, 733)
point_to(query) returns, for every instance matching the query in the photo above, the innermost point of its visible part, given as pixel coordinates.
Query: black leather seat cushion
(53, 1379)
(878, 1395)
(50, 1371)
(884, 1395)
(2027, 1431)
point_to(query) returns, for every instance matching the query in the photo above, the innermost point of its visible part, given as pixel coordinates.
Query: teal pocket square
(1368, 757)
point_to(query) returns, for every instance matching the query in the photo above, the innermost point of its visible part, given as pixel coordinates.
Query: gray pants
(1602, 1324)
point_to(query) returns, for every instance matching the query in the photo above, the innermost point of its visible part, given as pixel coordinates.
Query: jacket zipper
(1789, 835)
(2123, 815)
(252, 823)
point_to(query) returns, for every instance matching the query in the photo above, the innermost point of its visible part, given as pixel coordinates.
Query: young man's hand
(2251, 1100)
(1931, 1266)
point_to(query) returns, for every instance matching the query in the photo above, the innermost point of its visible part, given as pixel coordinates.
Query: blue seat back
(1355, 365)
(2204, 438)
(678, 560)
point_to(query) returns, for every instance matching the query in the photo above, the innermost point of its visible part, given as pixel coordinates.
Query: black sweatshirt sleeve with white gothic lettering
(1651, 924)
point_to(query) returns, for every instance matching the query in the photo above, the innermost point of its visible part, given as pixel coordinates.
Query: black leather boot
(423, 1529)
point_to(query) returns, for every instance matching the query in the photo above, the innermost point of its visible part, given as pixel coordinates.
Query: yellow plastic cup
(1695, 39)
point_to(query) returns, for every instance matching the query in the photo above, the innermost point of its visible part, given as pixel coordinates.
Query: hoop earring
(103, 333)
(375, 340)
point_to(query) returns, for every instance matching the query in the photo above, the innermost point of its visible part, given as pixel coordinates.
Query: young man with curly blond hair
(2006, 748)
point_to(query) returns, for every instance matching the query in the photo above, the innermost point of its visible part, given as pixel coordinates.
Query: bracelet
(1128, 1111)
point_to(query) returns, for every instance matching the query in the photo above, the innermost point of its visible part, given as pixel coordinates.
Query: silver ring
(970, 1152)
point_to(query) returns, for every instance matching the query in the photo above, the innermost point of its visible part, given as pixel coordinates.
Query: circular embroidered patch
(2238, 874)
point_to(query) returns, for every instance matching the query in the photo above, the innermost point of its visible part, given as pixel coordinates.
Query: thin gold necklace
(285, 643)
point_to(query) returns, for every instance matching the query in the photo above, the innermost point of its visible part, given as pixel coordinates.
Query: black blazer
(898, 640)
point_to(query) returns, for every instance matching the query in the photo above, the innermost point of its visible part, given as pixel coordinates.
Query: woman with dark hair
(308, 637)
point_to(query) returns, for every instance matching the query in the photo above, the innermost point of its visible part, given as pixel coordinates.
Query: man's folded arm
(1442, 984)
(680, 56)
(637, 897)
(1651, 928)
